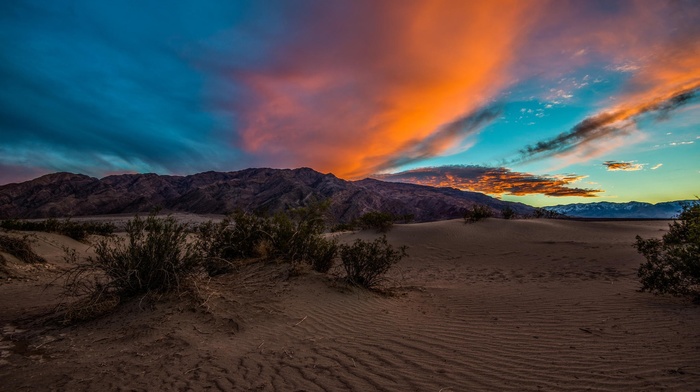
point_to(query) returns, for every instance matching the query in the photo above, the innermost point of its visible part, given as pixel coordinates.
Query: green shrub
(508, 213)
(673, 262)
(155, 257)
(477, 213)
(366, 262)
(19, 248)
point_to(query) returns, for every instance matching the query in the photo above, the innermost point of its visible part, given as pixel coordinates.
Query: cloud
(444, 139)
(78, 86)
(352, 88)
(657, 166)
(492, 180)
(362, 86)
(608, 124)
(662, 39)
(623, 166)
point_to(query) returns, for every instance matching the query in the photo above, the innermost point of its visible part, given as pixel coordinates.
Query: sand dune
(497, 305)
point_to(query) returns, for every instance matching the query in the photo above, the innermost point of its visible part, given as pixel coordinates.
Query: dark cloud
(492, 180)
(83, 92)
(623, 166)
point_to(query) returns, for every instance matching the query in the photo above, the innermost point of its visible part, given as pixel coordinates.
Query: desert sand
(499, 305)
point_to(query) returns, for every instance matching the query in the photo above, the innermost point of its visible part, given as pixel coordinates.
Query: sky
(541, 102)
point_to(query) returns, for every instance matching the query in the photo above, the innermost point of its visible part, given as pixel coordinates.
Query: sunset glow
(544, 102)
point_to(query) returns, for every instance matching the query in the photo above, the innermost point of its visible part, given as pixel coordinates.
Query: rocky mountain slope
(259, 190)
(631, 209)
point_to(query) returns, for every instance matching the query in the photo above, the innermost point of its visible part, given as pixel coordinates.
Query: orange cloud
(492, 180)
(363, 87)
(623, 166)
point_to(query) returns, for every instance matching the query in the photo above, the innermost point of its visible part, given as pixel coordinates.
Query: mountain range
(269, 191)
(633, 209)
(256, 190)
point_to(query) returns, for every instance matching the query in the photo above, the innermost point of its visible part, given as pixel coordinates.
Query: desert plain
(498, 305)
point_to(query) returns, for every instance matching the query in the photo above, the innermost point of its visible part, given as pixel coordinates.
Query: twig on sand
(200, 331)
(302, 320)
(263, 342)
(193, 369)
(445, 389)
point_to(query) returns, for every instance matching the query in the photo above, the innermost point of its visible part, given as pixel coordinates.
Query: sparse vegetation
(19, 248)
(376, 220)
(508, 213)
(79, 231)
(673, 262)
(542, 213)
(155, 257)
(380, 221)
(366, 262)
(294, 237)
(476, 213)
(236, 237)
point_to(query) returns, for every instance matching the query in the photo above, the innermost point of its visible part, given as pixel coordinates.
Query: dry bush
(477, 213)
(20, 248)
(377, 220)
(155, 257)
(508, 213)
(294, 237)
(79, 231)
(366, 262)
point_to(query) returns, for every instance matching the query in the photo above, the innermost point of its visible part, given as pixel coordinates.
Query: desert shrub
(77, 230)
(543, 213)
(294, 236)
(477, 213)
(508, 213)
(237, 236)
(155, 257)
(673, 262)
(380, 221)
(366, 262)
(322, 254)
(20, 248)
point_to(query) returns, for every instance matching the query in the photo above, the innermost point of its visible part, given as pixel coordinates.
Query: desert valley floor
(499, 305)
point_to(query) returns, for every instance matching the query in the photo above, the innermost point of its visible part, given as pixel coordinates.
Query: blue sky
(544, 102)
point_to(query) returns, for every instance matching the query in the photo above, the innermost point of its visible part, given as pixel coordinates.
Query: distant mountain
(259, 190)
(631, 209)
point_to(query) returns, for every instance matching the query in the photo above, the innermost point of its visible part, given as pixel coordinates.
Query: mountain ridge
(611, 210)
(263, 190)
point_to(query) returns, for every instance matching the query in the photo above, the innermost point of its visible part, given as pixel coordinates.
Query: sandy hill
(500, 305)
